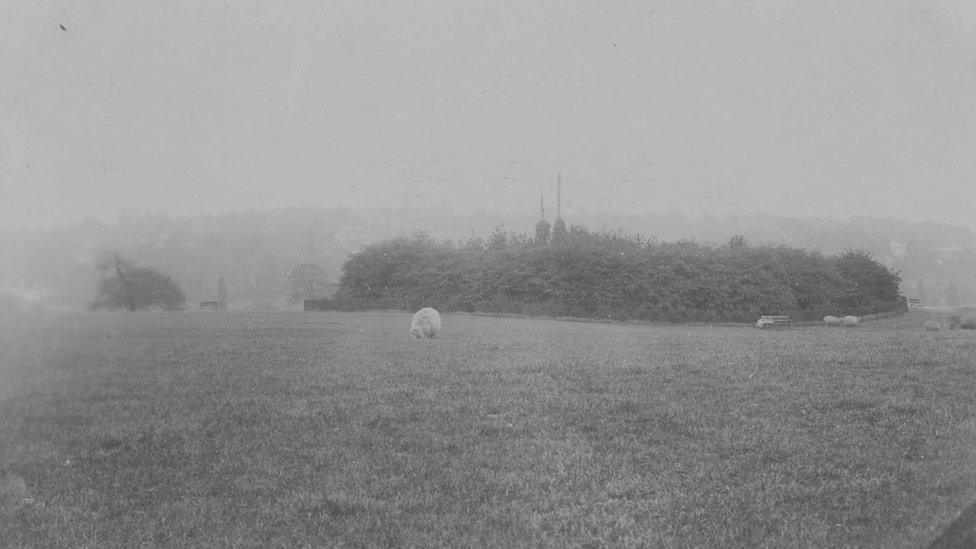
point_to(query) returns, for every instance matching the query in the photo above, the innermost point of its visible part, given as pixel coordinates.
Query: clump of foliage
(132, 287)
(590, 274)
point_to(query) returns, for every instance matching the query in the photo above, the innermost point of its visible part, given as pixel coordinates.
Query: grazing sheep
(832, 321)
(933, 326)
(850, 321)
(426, 323)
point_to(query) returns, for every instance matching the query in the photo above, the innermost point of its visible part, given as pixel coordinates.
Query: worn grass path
(289, 429)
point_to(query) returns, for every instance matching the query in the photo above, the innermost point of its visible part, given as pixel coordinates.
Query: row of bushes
(613, 275)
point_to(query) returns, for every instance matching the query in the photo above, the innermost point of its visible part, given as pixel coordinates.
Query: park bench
(774, 321)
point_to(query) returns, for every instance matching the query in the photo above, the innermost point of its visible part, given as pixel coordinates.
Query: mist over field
(209, 140)
(255, 251)
(596, 196)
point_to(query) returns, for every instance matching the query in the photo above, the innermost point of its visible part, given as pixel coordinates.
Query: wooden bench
(774, 321)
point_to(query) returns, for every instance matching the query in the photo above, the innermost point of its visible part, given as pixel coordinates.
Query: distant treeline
(582, 273)
(255, 252)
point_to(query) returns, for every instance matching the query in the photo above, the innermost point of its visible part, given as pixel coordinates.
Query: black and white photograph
(471, 273)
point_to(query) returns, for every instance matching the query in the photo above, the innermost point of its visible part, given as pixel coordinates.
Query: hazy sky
(800, 108)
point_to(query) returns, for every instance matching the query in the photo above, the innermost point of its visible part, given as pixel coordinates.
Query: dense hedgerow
(613, 275)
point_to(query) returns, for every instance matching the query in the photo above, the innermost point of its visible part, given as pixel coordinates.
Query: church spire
(559, 196)
(559, 232)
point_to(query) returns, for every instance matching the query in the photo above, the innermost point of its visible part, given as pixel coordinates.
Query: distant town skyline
(790, 108)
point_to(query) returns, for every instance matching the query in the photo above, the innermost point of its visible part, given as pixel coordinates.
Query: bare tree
(308, 281)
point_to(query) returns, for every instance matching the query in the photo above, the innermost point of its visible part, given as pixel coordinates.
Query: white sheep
(850, 321)
(426, 323)
(832, 321)
(933, 326)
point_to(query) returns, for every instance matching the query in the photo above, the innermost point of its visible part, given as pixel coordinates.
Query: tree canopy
(132, 287)
(591, 274)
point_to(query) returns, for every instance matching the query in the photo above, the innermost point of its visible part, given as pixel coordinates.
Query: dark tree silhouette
(738, 242)
(868, 281)
(542, 229)
(613, 275)
(559, 232)
(133, 288)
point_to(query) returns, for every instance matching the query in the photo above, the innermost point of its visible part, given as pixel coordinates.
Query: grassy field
(290, 429)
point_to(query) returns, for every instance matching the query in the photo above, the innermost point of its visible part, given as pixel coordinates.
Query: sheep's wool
(426, 323)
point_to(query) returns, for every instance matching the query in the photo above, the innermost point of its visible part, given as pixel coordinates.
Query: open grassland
(288, 429)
